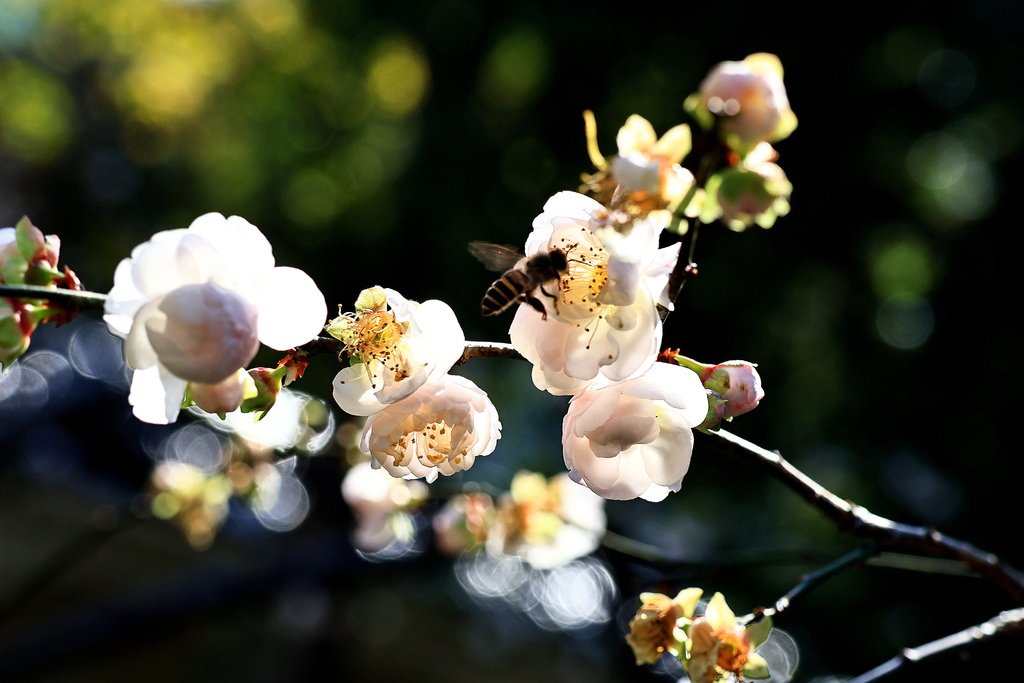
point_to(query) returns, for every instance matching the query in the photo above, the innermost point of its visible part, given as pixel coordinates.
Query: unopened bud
(739, 384)
(716, 412)
(220, 398)
(372, 299)
(735, 382)
(746, 101)
(267, 387)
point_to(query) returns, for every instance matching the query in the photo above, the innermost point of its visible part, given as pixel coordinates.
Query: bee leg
(536, 305)
(554, 299)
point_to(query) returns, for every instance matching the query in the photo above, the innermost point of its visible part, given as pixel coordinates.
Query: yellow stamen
(590, 127)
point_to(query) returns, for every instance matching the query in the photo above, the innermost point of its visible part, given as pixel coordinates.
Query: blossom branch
(80, 298)
(1010, 621)
(859, 521)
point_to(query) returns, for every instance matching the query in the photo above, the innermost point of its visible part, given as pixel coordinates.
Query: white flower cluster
(193, 306)
(421, 421)
(627, 433)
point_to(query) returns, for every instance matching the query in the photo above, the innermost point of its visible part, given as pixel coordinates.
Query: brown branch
(860, 522)
(1010, 621)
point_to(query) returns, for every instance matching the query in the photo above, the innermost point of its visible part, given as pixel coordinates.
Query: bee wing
(497, 257)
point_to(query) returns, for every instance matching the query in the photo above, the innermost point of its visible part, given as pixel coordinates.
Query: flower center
(375, 335)
(586, 275)
(431, 445)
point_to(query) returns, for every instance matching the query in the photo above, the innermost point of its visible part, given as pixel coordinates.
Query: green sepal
(759, 631)
(756, 667)
(25, 236)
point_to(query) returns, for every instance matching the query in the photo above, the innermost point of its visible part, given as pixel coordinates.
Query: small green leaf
(756, 668)
(758, 632)
(27, 236)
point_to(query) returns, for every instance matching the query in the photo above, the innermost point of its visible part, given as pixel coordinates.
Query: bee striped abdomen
(505, 291)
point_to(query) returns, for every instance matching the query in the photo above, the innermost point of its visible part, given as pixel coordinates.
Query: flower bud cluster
(545, 522)
(713, 647)
(745, 106)
(27, 257)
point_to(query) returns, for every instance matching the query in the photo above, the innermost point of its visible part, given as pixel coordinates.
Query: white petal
(237, 238)
(355, 393)
(292, 310)
(667, 460)
(156, 395)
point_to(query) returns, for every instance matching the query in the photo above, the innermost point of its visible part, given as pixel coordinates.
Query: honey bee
(520, 277)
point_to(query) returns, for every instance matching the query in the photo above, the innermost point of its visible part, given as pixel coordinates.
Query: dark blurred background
(370, 142)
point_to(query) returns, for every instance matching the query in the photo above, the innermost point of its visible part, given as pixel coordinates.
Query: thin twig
(1006, 622)
(855, 557)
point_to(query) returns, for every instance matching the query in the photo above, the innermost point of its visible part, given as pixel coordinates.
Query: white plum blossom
(650, 165)
(441, 428)
(396, 346)
(547, 523)
(634, 438)
(381, 504)
(193, 305)
(602, 318)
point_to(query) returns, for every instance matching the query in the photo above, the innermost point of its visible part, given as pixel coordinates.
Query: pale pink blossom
(193, 305)
(602, 318)
(749, 99)
(634, 438)
(381, 504)
(441, 428)
(546, 523)
(397, 346)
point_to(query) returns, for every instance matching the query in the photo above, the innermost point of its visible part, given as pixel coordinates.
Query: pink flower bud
(738, 383)
(222, 397)
(749, 100)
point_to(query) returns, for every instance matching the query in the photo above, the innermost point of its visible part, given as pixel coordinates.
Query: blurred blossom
(192, 306)
(381, 504)
(196, 501)
(547, 523)
(746, 101)
(440, 429)
(298, 421)
(280, 500)
(463, 523)
(754, 192)
(634, 438)
(395, 345)
(602, 321)
(566, 598)
(644, 178)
